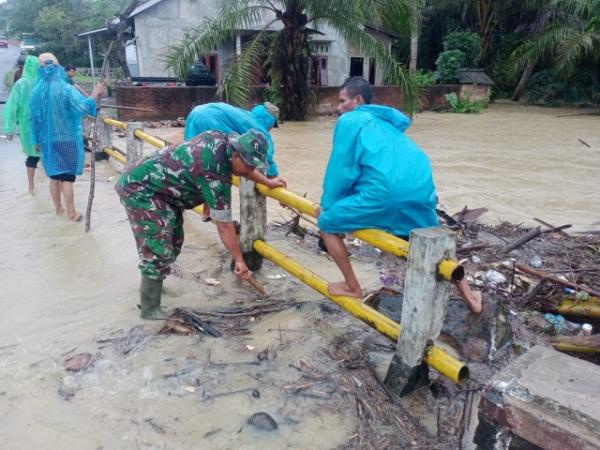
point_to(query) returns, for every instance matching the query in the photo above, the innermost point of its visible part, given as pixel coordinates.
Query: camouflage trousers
(158, 231)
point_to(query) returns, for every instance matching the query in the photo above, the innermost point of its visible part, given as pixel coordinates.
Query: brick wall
(325, 99)
(164, 102)
(168, 103)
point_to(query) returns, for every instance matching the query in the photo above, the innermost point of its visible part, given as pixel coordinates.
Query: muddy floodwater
(64, 292)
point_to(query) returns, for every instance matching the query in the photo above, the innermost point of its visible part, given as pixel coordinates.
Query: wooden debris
(185, 322)
(531, 234)
(531, 271)
(467, 215)
(250, 311)
(578, 344)
(256, 285)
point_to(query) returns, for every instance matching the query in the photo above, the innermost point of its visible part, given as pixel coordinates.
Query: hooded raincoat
(227, 119)
(56, 112)
(376, 176)
(17, 111)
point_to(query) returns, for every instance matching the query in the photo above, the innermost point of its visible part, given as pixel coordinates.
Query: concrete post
(238, 44)
(104, 136)
(135, 146)
(253, 222)
(423, 309)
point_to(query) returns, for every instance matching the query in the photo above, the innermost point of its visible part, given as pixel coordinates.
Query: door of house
(318, 71)
(211, 61)
(372, 69)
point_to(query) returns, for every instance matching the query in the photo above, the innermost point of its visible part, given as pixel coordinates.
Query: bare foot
(341, 288)
(60, 211)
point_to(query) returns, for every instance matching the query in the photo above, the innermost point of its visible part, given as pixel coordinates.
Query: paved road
(8, 58)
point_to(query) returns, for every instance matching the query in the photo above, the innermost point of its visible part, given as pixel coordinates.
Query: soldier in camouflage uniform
(156, 190)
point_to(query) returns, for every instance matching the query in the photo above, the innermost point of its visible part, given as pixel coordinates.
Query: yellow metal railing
(450, 270)
(435, 357)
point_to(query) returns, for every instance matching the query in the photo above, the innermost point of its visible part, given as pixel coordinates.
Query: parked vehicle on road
(199, 75)
(29, 41)
(3, 42)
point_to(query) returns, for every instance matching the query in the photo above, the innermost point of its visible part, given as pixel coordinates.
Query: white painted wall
(164, 24)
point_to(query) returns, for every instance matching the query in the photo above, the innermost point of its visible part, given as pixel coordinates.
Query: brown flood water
(63, 291)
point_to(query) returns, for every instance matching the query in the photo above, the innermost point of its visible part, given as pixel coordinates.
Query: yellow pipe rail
(150, 139)
(448, 269)
(115, 123)
(116, 155)
(435, 357)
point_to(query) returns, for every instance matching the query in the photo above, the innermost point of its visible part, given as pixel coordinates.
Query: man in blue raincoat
(376, 177)
(227, 119)
(56, 112)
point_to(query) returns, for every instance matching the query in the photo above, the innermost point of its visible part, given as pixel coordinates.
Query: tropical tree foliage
(57, 23)
(283, 36)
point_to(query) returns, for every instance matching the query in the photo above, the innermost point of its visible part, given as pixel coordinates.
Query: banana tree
(283, 29)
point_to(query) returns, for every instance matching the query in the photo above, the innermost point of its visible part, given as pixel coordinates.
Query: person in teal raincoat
(56, 112)
(227, 119)
(376, 177)
(17, 114)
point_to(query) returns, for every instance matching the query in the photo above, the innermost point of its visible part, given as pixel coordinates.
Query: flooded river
(65, 292)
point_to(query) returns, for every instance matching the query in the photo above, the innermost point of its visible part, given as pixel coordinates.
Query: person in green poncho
(17, 113)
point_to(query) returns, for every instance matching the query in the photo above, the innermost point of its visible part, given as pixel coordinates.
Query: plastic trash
(586, 329)
(556, 321)
(495, 277)
(475, 259)
(536, 262)
(560, 325)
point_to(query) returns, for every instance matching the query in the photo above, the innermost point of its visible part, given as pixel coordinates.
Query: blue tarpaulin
(226, 118)
(376, 176)
(56, 112)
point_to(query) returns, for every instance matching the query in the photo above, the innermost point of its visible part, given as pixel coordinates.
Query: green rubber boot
(151, 291)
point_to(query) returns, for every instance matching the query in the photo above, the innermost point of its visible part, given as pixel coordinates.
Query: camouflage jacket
(184, 176)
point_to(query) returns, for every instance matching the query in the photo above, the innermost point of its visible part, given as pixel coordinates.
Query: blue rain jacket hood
(56, 112)
(227, 119)
(376, 177)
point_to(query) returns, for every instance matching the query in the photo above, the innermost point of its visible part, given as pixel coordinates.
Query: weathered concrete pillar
(135, 146)
(238, 44)
(104, 136)
(424, 307)
(253, 222)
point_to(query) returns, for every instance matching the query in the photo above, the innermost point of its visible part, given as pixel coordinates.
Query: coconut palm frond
(573, 48)
(242, 14)
(538, 48)
(243, 72)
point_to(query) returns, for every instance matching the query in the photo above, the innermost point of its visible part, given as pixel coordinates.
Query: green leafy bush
(465, 104)
(425, 78)
(448, 65)
(467, 42)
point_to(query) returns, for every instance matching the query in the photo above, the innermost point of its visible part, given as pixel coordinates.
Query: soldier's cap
(46, 59)
(251, 146)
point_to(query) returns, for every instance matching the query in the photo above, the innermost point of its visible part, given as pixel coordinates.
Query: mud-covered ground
(313, 368)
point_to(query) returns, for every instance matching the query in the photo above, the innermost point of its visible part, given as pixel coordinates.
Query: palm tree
(570, 35)
(283, 34)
